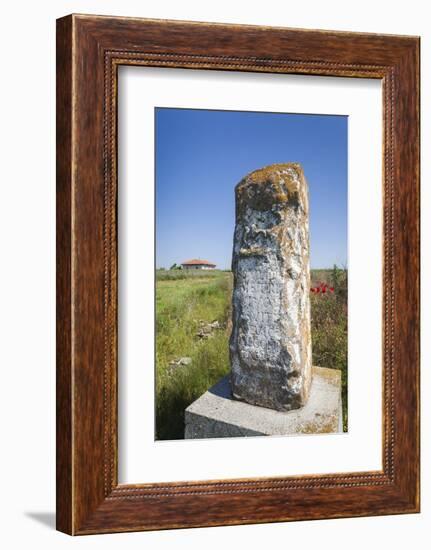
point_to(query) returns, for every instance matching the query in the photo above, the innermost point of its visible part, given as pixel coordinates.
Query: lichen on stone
(270, 346)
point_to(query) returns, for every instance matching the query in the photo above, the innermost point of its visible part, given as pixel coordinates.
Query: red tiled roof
(198, 262)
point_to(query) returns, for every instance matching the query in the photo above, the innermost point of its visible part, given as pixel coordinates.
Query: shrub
(329, 328)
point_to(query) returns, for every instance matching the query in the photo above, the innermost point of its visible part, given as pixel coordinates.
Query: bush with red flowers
(322, 288)
(329, 323)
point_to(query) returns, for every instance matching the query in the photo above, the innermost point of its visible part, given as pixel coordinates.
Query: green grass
(184, 299)
(181, 304)
(182, 274)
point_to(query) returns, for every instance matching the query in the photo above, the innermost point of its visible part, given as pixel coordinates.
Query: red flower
(331, 289)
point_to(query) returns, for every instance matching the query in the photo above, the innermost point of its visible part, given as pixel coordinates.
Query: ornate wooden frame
(89, 51)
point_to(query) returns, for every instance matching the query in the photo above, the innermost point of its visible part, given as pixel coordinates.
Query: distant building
(197, 264)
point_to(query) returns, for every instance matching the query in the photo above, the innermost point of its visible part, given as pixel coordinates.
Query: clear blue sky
(201, 155)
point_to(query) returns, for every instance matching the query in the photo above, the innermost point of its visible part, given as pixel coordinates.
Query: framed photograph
(237, 274)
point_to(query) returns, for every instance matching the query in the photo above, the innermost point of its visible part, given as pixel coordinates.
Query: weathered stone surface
(217, 414)
(270, 345)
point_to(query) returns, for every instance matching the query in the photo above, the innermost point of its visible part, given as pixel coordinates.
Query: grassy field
(193, 326)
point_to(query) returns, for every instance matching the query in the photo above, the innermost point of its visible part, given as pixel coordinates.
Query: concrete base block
(217, 414)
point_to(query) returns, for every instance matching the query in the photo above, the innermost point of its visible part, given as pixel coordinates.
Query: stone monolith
(270, 344)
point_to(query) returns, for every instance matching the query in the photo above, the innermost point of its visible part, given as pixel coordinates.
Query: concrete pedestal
(217, 414)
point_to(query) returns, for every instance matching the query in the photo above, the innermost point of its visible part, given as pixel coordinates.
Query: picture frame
(89, 51)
